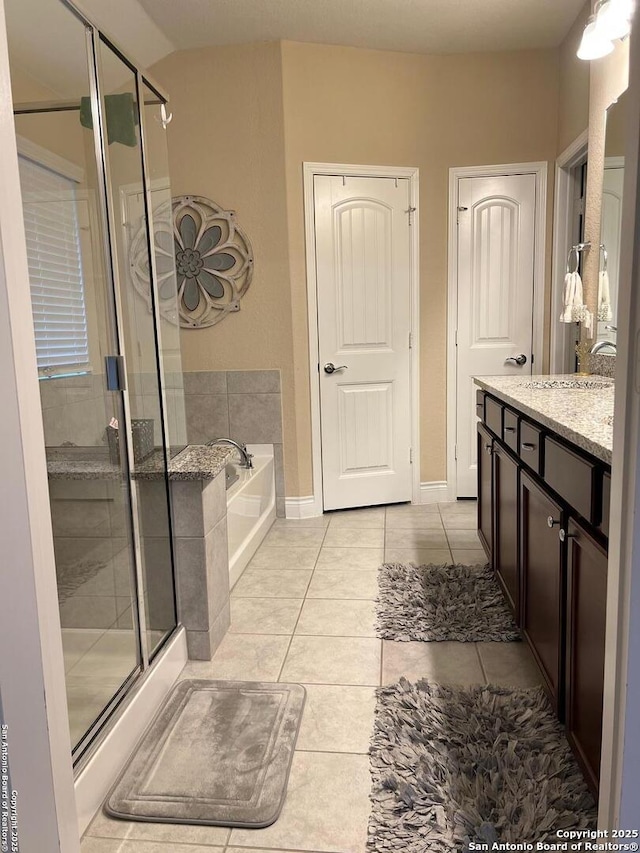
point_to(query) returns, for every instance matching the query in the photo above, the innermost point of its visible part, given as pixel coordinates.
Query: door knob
(331, 368)
(518, 359)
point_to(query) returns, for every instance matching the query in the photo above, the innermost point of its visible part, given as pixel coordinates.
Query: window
(55, 269)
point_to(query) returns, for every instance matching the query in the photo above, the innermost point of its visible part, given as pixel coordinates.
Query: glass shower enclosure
(91, 137)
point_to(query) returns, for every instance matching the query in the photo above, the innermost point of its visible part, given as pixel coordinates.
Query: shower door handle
(115, 372)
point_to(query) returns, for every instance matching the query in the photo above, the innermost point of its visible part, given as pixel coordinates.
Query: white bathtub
(251, 509)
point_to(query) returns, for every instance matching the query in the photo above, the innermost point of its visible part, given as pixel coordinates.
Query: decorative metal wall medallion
(213, 261)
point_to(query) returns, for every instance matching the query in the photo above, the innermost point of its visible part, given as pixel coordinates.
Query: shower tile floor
(304, 611)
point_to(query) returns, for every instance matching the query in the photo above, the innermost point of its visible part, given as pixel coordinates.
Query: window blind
(55, 269)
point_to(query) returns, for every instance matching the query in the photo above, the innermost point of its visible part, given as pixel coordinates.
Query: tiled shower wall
(76, 409)
(245, 405)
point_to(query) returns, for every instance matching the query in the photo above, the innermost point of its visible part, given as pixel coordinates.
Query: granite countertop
(580, 415)
(194, 462)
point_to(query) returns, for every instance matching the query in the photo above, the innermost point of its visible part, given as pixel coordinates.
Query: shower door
(104, 369)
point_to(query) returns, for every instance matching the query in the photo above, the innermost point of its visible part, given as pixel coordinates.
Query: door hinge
(532, 358)
(455, 451)
(461, 209)
(411, 456)
(410, 340)
(411, 211)
(456, 337)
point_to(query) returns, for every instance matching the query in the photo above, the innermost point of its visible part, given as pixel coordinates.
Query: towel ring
(605, 257)
(573, 251)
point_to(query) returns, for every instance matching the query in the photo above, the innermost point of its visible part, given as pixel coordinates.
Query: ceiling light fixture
(611, 20)
(614, 19)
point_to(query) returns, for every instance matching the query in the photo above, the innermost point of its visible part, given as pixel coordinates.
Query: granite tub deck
(195, 462)
(580, 415)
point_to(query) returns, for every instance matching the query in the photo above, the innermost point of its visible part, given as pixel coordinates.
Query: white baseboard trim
(309, 507)
(433, 493)
(96, 778)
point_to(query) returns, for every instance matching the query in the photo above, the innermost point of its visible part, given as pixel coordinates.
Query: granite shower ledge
(195, 462)
(582, 417)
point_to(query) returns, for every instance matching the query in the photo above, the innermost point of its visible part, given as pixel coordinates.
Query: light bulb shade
(613, 20)
(594, 45)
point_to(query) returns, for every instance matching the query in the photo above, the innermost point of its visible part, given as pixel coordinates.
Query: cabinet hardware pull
(527, 446)
(564, 535)
(509, 429)
(551, 522)
(488, 448)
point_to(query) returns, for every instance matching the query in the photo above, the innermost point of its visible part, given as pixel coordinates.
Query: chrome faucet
(245, 456)
(602, 345)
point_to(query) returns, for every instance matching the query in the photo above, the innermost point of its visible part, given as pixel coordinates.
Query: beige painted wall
(226, 142)
(573, 108)
(246, 118)
(348, 105)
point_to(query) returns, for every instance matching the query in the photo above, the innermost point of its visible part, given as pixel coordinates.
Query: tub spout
(245, 456)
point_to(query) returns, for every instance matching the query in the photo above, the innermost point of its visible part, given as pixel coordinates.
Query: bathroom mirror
(611, 223)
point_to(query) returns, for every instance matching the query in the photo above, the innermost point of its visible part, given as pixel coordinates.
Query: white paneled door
(363, 268)
(496, 247)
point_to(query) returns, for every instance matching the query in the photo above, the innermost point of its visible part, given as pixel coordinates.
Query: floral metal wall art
(201, 255)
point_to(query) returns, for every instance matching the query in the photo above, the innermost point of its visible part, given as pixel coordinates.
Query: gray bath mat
(218, 753)
(439, 603)
(483, 764)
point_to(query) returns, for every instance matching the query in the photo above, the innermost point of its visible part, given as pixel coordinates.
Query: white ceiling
(417, 26)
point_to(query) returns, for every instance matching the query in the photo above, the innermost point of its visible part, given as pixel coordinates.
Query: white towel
(568, 297)
(578, 309)
(604, 298)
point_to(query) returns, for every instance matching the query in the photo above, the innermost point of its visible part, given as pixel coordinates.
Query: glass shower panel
(157, 159)
(131, 243)
(73, 311)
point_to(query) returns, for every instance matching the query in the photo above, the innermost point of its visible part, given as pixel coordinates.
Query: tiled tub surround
(245, 405)
(581, 416)
(92, 552)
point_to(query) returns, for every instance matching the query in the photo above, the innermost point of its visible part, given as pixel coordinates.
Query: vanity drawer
(480, 395)
(510, 430)
(493, 416)
(606, 501)
(530, 446)
(572, 476)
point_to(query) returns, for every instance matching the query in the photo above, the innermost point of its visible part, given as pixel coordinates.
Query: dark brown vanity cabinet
(485, 489)
(543, 583)
(505, 529)
(586, 615)
(543, 518)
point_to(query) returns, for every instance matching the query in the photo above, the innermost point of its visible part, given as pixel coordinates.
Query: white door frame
(562, 242)
(314, 506)
(456, 174)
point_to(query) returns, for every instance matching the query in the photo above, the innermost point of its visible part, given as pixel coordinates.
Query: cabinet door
(485, 490)
(586, 614)
(542, 610)
(505, 532)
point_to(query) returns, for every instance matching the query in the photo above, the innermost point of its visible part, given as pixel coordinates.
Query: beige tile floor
(304, 611)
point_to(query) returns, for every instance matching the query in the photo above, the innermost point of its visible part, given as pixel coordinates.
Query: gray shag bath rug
(439, 603)
(457, 765)
(218, 753)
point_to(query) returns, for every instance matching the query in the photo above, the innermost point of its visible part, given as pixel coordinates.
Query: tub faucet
(603, 345)
(245, 456)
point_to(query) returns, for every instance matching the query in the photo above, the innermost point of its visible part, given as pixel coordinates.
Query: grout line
(313, 571)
